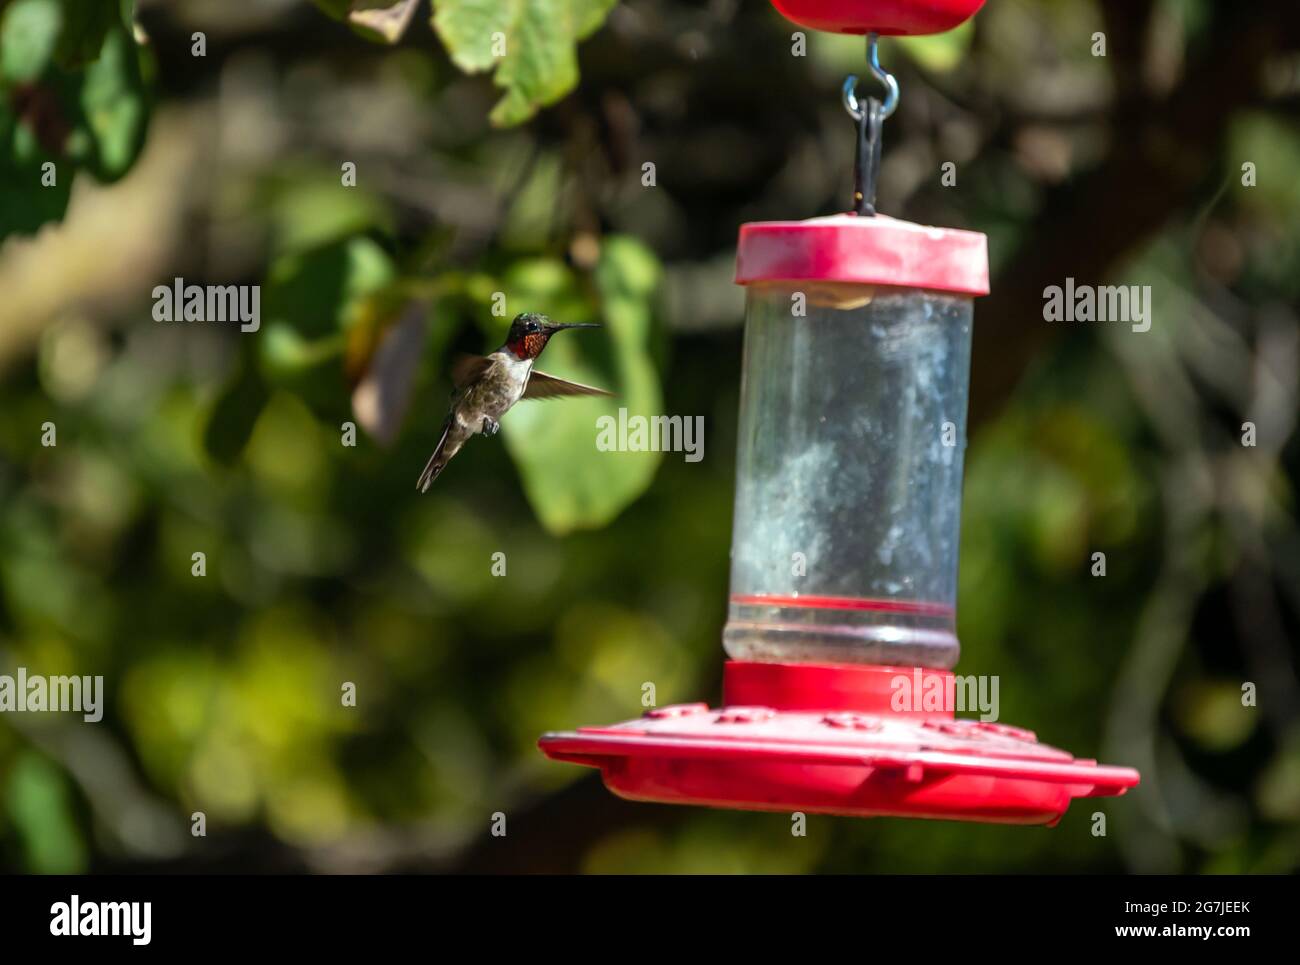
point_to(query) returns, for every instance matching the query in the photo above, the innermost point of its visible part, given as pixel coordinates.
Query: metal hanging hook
(890, 82)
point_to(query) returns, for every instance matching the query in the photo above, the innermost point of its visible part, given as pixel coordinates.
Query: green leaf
(25, 202)
(314, 292)
(588, 15)
(1273, 146)
(40, 806)
(307, 210)
(338, 9)
(232, 420)
(29, 33)
(309, 302)
(569, 482)
(85, 25)
(114, 105)
(467, 28)
(942, 52)
(530, 43)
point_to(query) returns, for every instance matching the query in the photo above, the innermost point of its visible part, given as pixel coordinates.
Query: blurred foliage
(71, 97)
(324, 567)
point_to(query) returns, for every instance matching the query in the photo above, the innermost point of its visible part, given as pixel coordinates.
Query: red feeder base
(838, 739)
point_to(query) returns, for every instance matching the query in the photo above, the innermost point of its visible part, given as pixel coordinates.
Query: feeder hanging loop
(869, 116)
(866, 159)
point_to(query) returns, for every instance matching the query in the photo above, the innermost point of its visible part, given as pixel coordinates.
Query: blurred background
(1171, 162)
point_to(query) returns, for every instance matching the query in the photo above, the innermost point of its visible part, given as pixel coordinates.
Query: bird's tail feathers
(438, 461)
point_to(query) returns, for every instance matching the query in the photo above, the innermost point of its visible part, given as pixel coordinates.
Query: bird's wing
(466, 368)
(543, 386)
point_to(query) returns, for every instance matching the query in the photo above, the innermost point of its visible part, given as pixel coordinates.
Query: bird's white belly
(519, 371)
(495, 392)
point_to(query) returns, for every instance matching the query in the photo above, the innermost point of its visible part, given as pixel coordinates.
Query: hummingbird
(485, 387)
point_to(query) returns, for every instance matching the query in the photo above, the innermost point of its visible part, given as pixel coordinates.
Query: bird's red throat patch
(530, 346)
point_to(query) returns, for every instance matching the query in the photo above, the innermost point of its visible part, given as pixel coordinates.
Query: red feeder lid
(864, 251)
(831, 739)
(879, 16)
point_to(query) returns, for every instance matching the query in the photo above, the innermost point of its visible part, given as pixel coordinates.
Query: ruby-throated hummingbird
(487, 386)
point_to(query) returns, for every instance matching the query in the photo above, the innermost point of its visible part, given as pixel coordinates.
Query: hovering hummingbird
(487, 386)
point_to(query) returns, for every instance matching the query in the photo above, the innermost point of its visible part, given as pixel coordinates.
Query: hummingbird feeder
(839, 694)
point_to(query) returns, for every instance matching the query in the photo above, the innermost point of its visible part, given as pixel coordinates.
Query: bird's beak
(560, 326)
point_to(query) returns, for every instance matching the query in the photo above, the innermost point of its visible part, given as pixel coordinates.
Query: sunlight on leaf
(29, 33)
(530, 43)
(941, 52)
(39, 805)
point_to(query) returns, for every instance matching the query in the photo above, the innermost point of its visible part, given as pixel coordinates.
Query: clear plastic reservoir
(849, 471)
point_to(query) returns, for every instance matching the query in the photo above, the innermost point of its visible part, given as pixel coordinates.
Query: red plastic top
(864, 251)
(890, 17)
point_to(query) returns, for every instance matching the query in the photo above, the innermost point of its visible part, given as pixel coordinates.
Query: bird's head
(530, 332)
